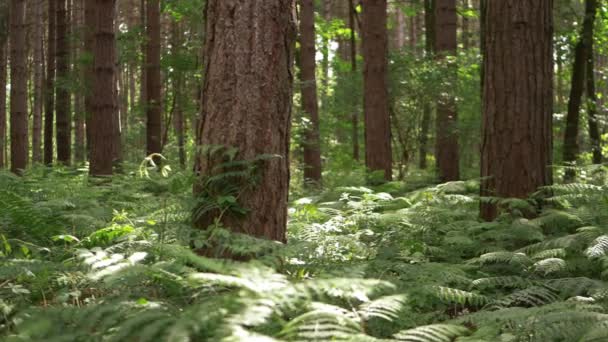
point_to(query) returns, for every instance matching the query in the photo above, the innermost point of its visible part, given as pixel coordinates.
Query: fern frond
(433, 333)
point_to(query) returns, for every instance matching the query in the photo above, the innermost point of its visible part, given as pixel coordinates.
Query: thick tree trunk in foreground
(446, 148)
(247, 105)
(79, 106)
(378, 152)
(103, 104)
(517, 100)
(49, 103)
(19, 136)
(153, 87)
(38, 80)
(62, 107)
(577, 88)
(310, 106)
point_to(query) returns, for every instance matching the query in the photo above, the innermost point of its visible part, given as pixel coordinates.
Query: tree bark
(38, 80)
(62, 107)
(592, 101)
(246, 105)
(49, 110)
(178, 85)
(353, 69)
(310, 106)
(517, 100)
(427, 111)
(104, 106)
(90, 23)
(446, 149)
(577, 88)
(18, 76)
(378, 152)
(153, 87)
(4, 26)
(79, 97)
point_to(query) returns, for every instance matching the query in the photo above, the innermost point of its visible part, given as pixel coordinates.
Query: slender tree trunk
(311, 146)
(325, 48)
(413, 39)
(466, 34)
(517, 106)
(103, 115)
(447, 150)
(49, 110)
(378, 152)
(153, 88)
(577, 88)
(353, 69)
(117, 118)
(62, 107)
(592, 103)
(247, 106)
(79, 97)
(429, 38)
(3, 66)
(38, 80)
(400, 27)
(90, 19)
(178, 85)
(18, 76)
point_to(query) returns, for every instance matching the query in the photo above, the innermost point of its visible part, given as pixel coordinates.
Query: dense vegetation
(303, 170)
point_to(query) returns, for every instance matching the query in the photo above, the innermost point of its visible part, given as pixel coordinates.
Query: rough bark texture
(247, 104)
(49, 106)
(18, 122)
(446, 148)
(378, 153)
(517, 99)
(104, 106)
(38, 80)
(310, 106)
(153, 88)
(62, 108)
(577, 88)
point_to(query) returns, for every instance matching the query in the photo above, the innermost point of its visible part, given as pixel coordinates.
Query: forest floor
(401, 261)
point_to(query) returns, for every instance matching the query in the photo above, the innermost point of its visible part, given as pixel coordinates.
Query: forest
(304, 170)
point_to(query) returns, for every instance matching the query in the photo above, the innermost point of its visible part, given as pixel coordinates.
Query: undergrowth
(111, 261)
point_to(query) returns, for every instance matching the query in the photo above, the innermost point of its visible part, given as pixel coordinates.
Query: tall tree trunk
(378, 152)
(325, 49)
(117, 118)
(153, 88)
(413, 39)
(38, 80)
(592, 101)
(247, 105)
(79, 97)
(49, 109)
(90, 23)
(178, 85)
(312, 148)
(577, 88)
(4, 26)
(517, 106)
(103, 115)
(400, 28)
(429, 38)
(446, 149)
(18, 76)
(353, 69)
(62, 108)
(466, 34)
